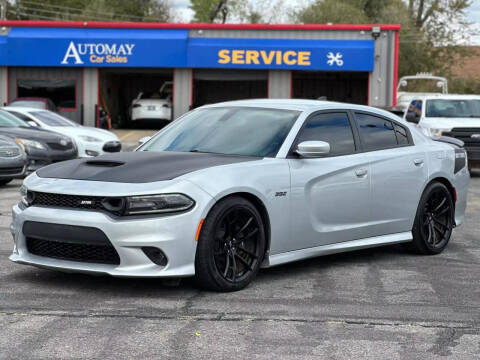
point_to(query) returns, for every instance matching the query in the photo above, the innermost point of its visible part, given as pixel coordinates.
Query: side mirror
(32, 123)
(403, 83)
(112, 146)
(412, 117)
(144, 139)
(313, 149)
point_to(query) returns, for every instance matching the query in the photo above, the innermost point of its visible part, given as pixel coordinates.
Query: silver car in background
(13, 160)
(232, 187)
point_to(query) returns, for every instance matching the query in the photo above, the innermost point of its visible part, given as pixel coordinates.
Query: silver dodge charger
(232, 187)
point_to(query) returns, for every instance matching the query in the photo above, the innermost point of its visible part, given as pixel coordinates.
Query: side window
(333, 128)
(21, 116)
(401, 133)
(414, 111)
(377, 133)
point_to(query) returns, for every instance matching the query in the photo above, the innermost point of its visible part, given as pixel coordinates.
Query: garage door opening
(351, 87)
(137, 98)
(212, 86)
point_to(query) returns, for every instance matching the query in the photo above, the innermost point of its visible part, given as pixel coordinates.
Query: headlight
(32, 144)
(24, 194)
(89, 138)
(438, 132)
(151, 204)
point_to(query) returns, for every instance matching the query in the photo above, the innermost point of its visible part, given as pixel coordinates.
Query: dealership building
(83, 65)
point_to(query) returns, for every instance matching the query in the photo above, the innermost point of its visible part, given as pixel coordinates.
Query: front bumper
(12, 168)
(173, 234)
(40, 158)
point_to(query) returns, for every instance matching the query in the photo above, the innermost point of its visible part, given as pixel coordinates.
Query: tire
(231, 246)
(4, 181)
(434, 220)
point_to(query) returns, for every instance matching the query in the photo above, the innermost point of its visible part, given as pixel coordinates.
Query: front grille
(69, 242)
(100, 254)
(465, 134)
(58, 146)
(70, 201)
(11, 170)
(9, 152)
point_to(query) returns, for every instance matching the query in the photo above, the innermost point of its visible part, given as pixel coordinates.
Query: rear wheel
(231, 246)
(5, 181)
(434, 221)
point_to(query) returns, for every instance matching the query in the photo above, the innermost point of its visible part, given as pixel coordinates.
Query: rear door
(398, 172)
(330, 196)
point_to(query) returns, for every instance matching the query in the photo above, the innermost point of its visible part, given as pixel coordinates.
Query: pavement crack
(447, 339)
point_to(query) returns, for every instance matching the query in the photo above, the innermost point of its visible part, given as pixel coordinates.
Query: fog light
(91, 153)
(155, 255)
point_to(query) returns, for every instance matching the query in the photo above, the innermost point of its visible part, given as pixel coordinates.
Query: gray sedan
(13, 160)
(232, 187)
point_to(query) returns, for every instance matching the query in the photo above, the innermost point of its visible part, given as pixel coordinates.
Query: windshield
(453, 108)
(9, 120)
(52, 119)
(37, 104)
(227, 130)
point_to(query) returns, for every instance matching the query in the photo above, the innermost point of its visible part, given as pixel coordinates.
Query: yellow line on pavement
(127, 135)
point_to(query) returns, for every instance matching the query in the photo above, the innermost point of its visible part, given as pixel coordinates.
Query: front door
(330, 196)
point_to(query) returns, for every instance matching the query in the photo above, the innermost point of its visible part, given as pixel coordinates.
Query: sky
(184, 14)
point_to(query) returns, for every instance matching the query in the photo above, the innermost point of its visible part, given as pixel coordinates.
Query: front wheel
(230, 247)
(434, 220)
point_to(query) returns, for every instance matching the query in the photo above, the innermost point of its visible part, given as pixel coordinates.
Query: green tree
(431, 29)
(209, 11)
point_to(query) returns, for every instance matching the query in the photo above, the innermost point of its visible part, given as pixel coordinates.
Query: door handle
(361, 172)
(418, 162)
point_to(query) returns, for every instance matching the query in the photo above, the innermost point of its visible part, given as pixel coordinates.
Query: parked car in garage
(455, 116)
(34, 102)
(90, 141)
(13, 161)
(155, 105)
(42, 147)
(232, 187)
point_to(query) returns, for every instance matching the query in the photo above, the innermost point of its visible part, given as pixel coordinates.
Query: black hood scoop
(104, 163)
(137, 167)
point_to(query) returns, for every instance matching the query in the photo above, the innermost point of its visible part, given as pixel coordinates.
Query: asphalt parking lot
(383, 303)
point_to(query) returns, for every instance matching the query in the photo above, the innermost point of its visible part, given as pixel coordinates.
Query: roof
(150, 25)
(448, 97)
(302, 105)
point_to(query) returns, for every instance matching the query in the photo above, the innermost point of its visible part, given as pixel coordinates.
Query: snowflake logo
(334, 59)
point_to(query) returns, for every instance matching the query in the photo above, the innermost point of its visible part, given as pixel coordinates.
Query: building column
(279, 84)
(91, 85)
(182, 91)
(4, 85)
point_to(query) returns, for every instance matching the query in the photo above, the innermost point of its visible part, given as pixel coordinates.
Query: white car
(155, 105)
(455, 116)
(232, 187)
(90, 141)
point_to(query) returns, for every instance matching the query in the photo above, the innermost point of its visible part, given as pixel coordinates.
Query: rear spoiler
(449, 140)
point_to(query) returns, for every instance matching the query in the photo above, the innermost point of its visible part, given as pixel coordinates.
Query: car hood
(138, 167)
(31, 134)
(73, 131)
(449, 123)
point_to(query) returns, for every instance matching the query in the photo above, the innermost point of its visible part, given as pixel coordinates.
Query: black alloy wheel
(231, 246)
(434, 221)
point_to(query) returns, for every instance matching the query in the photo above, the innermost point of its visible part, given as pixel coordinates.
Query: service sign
(335, 55)
(173, 48)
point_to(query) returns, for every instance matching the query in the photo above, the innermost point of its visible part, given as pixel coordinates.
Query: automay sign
(97, 53)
